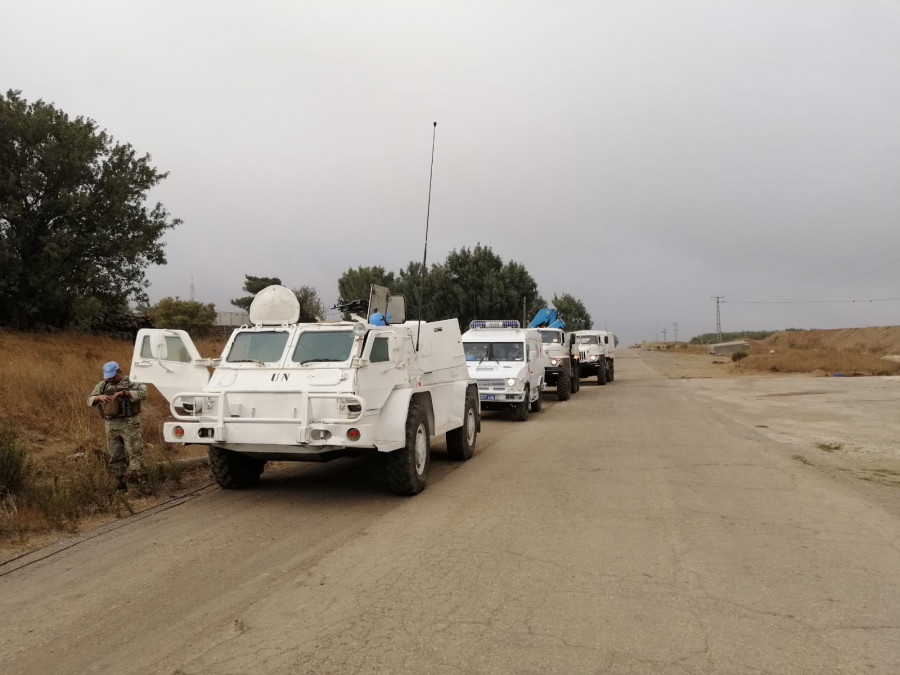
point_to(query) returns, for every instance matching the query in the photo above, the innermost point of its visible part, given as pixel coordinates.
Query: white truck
(284, 390)
(558, 365)
(505, 360)
(597, 350)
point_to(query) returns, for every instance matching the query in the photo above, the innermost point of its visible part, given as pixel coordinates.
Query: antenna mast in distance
(427, 219)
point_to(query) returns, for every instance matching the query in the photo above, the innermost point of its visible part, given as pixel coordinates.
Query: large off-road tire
(407, 468)
(601, 373)
(564, 385)
(576, 380)
(232, 470)
(461, 441)
(612, 370)
(538, 404)
(520, 412)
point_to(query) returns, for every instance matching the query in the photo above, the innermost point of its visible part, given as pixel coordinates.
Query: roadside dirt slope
(874, 339)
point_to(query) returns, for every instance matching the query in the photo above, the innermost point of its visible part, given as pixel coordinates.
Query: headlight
(511, 382)
(553, 362)
(594, 357)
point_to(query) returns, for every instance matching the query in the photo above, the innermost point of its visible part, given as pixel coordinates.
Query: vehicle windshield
(494, 351)
(257, 347)
(548, 336)
(323, 345)
(588, 340)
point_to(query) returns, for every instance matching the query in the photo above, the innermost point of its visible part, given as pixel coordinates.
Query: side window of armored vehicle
(318, 346)
(380, 350)
(174, 350)
(146, 351)
(256, 347)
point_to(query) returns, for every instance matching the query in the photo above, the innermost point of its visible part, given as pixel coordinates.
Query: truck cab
(597, 354)
(506, 362)
(558, 365)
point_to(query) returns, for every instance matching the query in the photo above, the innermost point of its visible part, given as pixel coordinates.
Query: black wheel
(537, 404)
(576, 380)
(407, 468)
(461, 441)
(564, 385)
(520, 413)
(612, 370)
(601, 373)
(232, 470)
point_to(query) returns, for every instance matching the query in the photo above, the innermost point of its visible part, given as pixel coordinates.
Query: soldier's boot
(143, 484)
(121, 485)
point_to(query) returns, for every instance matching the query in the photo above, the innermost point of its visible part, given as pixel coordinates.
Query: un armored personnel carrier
(284, 390)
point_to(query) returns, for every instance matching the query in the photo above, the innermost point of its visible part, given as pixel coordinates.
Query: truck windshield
(588, 340)
(548, 336)
(256, 347)
(494, 351)
(316, 345)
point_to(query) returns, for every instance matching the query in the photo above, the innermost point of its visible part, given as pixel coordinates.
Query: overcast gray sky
(641, 155)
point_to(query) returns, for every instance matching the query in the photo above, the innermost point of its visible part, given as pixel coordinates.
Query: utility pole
(718, 298)
(675, 331)
(192, 289)
(664, 334)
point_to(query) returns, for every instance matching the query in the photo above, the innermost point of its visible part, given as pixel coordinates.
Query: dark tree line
(471, 283)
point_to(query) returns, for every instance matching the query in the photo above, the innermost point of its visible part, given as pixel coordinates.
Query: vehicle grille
(491, 384)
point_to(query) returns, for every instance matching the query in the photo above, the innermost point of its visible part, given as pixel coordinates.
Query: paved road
(633, 529)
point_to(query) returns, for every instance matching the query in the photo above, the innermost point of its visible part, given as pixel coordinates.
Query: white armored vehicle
(597, 350)
(284, 390)
(506, 362)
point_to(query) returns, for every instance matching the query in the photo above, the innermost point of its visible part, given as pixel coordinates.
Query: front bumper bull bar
(211, 411)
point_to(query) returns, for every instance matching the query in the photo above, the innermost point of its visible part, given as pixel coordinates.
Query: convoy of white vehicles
(284, 390)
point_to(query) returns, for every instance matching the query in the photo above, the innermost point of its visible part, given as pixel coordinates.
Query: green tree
(253, 285)
(487, 288)
(76, 232)
(311, 307)
(354, 283)
(471, 283)
(186, 315)
(573, 312)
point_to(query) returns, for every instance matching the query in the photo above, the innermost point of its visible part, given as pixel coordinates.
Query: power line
(803, 302)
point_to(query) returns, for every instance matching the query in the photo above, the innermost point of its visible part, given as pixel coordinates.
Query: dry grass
(810, 360)
(44, 384)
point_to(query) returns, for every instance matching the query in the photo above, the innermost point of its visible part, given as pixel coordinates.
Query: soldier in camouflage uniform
(120, 405)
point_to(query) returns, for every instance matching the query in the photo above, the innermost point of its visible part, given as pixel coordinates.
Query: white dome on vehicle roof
(274, 306)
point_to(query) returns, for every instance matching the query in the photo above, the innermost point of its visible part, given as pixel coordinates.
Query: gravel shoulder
(845, 427)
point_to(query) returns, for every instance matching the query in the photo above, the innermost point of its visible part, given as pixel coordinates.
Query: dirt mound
(875, 340)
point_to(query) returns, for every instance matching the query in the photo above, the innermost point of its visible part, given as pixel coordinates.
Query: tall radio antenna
(427, 219)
